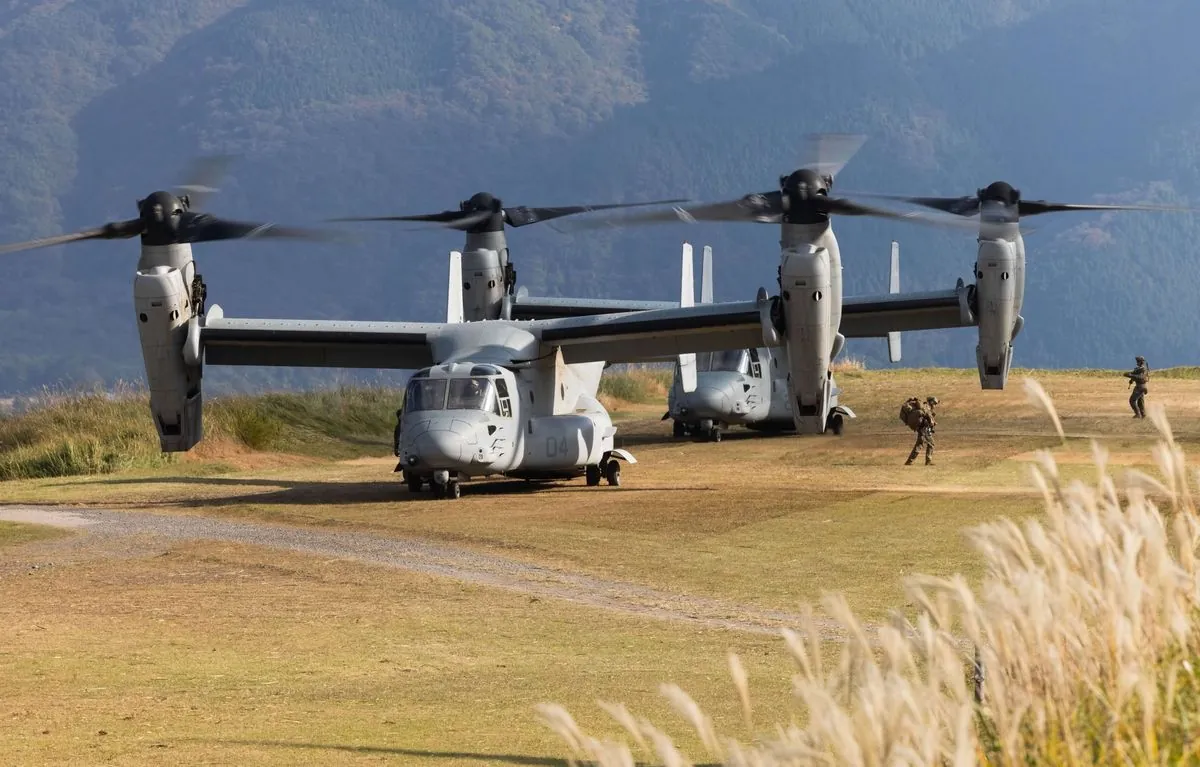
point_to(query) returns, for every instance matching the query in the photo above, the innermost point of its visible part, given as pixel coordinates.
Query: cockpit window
(735, 361)
(425, 394)
(471, 394)
(485, 370)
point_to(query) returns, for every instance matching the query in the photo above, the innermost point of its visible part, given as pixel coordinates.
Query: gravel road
(100, 529)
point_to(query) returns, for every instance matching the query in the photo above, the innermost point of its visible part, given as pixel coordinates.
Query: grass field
(209, 652)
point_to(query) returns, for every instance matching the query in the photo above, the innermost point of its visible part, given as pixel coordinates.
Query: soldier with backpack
(920, 418)
(1138, 378)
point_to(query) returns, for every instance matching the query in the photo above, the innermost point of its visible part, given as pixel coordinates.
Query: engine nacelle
(805, 284)
(483, 285)
(996, 278)
(162, 298)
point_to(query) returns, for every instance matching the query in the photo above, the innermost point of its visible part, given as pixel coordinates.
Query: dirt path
(100, 528)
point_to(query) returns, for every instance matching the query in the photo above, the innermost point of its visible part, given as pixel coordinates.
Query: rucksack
(910, 413)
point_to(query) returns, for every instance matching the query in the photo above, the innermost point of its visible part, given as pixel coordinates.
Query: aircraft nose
(440, 449)
(708, 401)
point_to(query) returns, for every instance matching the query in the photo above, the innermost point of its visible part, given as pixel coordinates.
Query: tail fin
(687, 297)
(454, 297)
(893, 338)
(706, 276)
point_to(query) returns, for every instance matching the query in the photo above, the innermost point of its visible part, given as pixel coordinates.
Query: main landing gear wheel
(414, 483)
(450, 490)
(836, 424)
(593, 475)
(612, 473)
(679, 430)
(714, 434)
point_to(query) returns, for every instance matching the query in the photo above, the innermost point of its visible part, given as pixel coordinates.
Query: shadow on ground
(310, 493)
(516, 759)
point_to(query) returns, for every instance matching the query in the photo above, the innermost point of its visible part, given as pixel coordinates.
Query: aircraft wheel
(593, 475)
(453, 490)
(414, 483)
(714, 435)
(612, 472)
(679, 430)
(837, 424)
(439, 491)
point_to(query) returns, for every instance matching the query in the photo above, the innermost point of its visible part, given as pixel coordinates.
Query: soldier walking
(925, 426)
(1138, 378)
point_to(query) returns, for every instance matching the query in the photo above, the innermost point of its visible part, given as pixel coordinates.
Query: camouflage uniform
(1139, 376)
(924, 433)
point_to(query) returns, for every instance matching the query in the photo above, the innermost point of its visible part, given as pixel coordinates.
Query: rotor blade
(205, 228)
(521, 216)
(202, 177)
(114, 231)
(453, 219)
(959, 206)
(1036, 207)
(828, 153)
(843, 207)
(754, 208)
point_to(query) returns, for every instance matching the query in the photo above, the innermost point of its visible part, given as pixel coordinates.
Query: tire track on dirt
(98, 525)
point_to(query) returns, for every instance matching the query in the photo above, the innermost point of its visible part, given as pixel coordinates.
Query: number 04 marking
(556, 447)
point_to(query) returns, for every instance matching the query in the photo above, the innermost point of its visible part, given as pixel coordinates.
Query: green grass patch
(637, 385)
(87, 433)
(14, 533)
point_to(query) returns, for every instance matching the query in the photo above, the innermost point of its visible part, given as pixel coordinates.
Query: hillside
(369, 107)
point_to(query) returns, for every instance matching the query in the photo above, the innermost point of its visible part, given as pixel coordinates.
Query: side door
(505, 417)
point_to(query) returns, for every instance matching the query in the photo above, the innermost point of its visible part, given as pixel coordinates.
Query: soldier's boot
(911, 457)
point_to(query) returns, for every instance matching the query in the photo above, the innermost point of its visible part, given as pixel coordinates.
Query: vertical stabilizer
(454, 296)
(687, 297)
(893, 338)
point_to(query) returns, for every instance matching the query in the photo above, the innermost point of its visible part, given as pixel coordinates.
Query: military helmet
(1139, 360)
(932, 400)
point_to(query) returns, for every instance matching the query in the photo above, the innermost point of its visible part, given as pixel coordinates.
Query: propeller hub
(800, 192)
(161, 214)
(1000, 191)
(479, 203)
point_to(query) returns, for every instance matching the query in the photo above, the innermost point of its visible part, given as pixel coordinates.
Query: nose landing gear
(444, 485)
(835, 423)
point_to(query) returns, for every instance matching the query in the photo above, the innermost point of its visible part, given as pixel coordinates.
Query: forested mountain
(376, 107)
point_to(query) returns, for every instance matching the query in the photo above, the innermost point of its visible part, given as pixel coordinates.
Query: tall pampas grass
(1079, 647)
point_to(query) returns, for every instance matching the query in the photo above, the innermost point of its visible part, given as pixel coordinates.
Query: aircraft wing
(546, 308)
(876, 316)
(651, 335)
(316, 343)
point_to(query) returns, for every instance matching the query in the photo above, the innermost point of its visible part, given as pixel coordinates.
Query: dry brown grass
(848, 364)
(1085, 629)
(210, 653)
(765, 521)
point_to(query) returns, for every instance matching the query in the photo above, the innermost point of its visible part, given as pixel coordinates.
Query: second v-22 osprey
(747, 387)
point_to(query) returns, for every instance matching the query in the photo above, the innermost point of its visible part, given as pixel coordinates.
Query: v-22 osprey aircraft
(519, 396)
(747, 387)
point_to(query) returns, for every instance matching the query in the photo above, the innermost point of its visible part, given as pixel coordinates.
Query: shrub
(636, 384)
